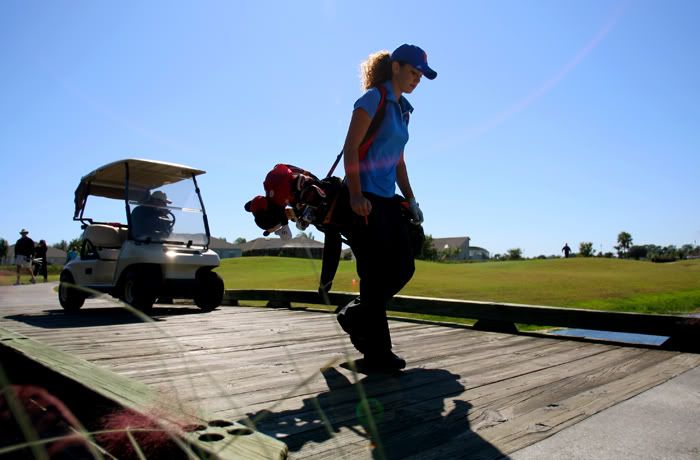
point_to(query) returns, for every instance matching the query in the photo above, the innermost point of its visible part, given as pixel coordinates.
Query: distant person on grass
(24, 250)
(566, 250)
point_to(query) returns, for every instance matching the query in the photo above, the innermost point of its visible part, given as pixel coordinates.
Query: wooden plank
(252, 389)
(467, 396)
(684, 330)
(241, 359)
(332, 338)
(538, 424)
(452, 426)
(414, 394)
(428, 388)
(461, 383)
(242, 370)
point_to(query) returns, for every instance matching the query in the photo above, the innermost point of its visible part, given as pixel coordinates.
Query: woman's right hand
(360, 205)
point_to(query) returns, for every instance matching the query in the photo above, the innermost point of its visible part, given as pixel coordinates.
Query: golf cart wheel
(70, 298)
(210, 291)
(137, 291)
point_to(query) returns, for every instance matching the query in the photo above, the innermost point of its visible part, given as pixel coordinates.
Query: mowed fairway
(596, 283)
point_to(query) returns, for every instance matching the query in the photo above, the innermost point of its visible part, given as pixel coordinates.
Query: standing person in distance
(40, 254)
(24, 250)
(380, 235)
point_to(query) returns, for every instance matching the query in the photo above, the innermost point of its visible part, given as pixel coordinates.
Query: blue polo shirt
(378, 169)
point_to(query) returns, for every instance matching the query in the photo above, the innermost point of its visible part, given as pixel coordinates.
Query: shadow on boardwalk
(91, 317)
(407, 419)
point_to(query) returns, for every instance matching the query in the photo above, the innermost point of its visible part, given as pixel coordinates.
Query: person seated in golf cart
(152, 219)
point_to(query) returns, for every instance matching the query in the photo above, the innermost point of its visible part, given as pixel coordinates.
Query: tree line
(624, 249)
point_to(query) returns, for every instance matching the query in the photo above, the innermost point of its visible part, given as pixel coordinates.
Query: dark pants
(332, 247)
(385, 264)
(41, 268)
(44, 268)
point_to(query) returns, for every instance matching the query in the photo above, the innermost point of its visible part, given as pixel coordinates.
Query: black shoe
(386, 361)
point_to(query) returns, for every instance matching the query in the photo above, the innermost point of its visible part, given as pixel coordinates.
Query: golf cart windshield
(169, 214)
(161, 200)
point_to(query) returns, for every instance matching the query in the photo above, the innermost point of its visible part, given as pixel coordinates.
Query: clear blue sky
(549, 122)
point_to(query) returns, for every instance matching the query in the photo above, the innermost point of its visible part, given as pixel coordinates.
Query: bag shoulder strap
(371, 131)
(374, 125)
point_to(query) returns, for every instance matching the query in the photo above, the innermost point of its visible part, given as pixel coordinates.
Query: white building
(460, 248)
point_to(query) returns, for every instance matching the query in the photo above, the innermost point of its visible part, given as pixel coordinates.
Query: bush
(428, 251)
(637, 252)
(586, 249)
(447, 254)
(662, 259)
(53, 269)
(515, 254)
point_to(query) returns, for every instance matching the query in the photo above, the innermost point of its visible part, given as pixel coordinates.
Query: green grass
(606, 284)
(8, 275)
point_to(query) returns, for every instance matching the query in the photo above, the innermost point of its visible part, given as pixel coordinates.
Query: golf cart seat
(106, 239)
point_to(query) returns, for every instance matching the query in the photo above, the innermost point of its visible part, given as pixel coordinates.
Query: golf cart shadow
(104, 316)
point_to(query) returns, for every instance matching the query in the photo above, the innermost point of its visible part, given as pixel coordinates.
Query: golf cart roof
(110, 180)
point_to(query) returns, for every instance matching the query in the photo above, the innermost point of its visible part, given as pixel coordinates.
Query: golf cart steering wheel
(164, 224)
(169, 220)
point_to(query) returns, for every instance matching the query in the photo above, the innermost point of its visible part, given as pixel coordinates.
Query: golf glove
(284, 232)
(415, 211)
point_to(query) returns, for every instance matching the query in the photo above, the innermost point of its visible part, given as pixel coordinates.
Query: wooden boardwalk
(465, 394)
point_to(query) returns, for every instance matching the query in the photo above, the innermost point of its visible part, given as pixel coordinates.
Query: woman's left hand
(416, 211)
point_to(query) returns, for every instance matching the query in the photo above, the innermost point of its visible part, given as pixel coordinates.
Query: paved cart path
(465, 394)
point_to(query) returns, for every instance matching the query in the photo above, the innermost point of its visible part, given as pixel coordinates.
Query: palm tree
(624, 241)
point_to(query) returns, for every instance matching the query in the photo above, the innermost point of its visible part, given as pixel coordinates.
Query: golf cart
(161, 251)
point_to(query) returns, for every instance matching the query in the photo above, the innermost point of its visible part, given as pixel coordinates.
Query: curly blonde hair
(376, 69)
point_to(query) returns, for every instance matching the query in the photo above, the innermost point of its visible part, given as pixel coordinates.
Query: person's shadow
(400, 415)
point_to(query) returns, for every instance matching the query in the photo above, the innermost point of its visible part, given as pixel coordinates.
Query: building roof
(51, 252)
(455, 242)
(55, 252)
(278, 243)
(452, 242)
(218, 243)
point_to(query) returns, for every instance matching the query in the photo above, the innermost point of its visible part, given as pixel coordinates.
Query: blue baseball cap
(411, 54)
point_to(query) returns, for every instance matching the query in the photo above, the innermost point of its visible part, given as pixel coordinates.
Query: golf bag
(292, 193)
